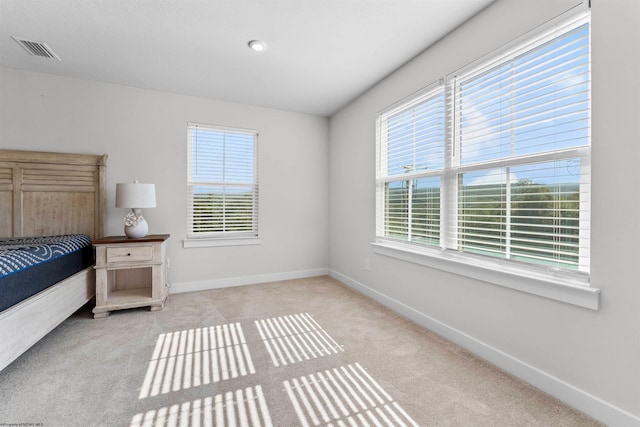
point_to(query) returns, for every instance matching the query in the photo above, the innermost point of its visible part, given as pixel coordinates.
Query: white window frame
(220, 238)
(382, 173)
(562, 285)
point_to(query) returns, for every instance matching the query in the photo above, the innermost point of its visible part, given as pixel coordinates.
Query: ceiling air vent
(36, 48)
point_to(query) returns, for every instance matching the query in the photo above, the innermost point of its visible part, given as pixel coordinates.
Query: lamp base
(138, 228)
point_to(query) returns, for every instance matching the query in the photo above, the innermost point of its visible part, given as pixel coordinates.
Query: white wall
(590, 359)
(144, 134)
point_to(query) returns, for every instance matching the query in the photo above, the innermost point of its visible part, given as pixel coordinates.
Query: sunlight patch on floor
(196, 357)
(242, 408)
(344, 396)
(294, 338)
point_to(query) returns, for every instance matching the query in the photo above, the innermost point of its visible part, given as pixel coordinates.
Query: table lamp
(135, 196)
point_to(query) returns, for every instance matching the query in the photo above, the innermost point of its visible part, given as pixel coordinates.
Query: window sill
(571, 290)
(213, 242)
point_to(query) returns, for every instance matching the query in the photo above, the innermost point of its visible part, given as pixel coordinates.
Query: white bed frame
(43, 194)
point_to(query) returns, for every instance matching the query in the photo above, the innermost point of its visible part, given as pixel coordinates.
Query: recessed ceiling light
(257, 45)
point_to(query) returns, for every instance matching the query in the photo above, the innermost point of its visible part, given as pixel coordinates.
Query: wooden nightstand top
(124, 239)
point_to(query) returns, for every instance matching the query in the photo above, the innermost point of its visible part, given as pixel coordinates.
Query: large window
(222, 181)
(493, 162)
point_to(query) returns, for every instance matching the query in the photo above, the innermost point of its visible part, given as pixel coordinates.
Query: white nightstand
(130, 273)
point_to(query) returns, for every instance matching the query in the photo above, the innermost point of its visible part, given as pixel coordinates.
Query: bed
(53, 195)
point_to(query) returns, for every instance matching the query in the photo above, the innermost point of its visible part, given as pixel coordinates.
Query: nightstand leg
(100, 315)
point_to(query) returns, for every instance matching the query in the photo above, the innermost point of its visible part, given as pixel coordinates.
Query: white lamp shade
(135, 195)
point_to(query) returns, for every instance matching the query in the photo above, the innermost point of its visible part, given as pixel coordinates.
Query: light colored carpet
(291, 353)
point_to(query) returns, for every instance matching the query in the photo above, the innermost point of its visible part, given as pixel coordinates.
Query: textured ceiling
(321, 53)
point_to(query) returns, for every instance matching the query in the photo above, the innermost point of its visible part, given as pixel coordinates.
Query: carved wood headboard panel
(44, 194)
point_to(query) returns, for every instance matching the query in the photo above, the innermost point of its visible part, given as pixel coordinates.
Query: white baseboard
(571, 395)
(206, 285)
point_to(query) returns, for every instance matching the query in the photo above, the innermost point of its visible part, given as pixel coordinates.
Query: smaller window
(222, 182)
(411, 161)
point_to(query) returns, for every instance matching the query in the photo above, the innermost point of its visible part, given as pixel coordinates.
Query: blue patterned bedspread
(19, 253)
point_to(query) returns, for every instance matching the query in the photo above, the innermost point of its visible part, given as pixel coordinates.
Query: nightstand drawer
(130, 254)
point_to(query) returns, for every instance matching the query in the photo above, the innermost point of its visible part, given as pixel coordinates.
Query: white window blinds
(495, 161)
(410, 166)
(523, 142)
(222, 182)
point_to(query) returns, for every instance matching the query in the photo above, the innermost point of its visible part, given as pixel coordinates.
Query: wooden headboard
(43, 194)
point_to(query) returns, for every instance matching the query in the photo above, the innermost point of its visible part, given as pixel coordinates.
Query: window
(410, 168)
(492, 164)
(222, 182)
